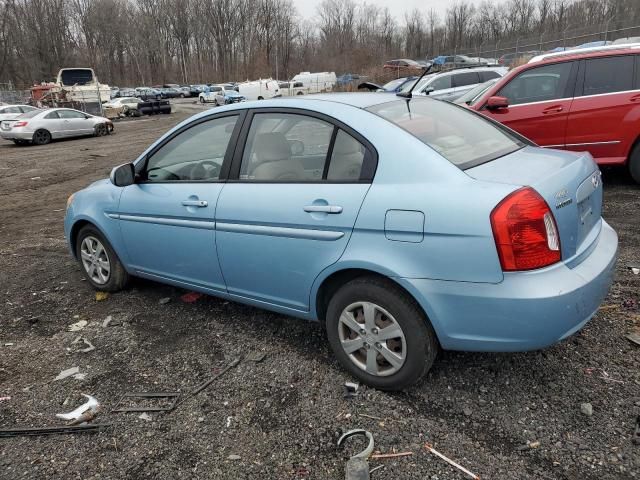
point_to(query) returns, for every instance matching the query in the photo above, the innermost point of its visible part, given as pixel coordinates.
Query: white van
(318, 82)
(259, 89)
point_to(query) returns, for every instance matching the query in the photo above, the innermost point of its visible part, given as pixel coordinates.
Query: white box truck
(259, 89)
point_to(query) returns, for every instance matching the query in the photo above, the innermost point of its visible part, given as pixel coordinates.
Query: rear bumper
(527, 310)
(13, 135)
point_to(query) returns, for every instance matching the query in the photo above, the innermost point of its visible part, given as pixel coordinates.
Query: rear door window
(464, 79)
(539, 84)
(608, 75)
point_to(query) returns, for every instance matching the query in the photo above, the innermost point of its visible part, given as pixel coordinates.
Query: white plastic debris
(107, 321)
(71, 372)
(145, 416)
(76, 327)
(85, 411)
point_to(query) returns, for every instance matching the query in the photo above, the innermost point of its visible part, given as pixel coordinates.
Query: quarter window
(195, 154)
(52, 115)
(286, 147)
(538, 84)
(346, 159)
(440, 83)
(608, 75)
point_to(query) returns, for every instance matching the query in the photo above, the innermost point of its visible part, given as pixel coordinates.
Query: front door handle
(323, 209)
(556, 109)
(195, 203)
(635, 98)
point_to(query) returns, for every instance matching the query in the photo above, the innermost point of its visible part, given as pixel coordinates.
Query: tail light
(525, 232)
(20, 124)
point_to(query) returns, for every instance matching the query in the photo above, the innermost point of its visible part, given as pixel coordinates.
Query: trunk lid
(570, 183)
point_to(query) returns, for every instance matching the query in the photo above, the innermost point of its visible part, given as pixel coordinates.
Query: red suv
(576, 101)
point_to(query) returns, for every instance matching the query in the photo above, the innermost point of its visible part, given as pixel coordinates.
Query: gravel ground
(502, 416)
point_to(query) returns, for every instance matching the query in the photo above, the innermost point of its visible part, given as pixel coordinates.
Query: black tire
(118, 277)
(41, 137)
(634, 164)
(182, 95)
(201, 100)
(100, 130)
(421, 342)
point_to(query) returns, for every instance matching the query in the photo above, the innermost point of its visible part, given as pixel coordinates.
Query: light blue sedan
(402, 225)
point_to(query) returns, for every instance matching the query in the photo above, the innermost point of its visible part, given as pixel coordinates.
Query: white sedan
(7, 112)
(41, 126)
(129, 105)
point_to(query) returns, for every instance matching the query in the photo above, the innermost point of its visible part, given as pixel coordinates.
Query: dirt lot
(503, 416)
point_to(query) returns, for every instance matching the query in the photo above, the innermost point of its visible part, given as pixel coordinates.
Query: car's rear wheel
(260, 98)
(634, 163)
(99, 262)
(201, 99)
(379, 333)
(41, 137)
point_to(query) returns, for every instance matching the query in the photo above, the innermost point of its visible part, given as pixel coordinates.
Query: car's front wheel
(99, 261)
(634, 164)
(380, 334)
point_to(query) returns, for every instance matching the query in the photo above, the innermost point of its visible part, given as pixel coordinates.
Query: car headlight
(69, 200)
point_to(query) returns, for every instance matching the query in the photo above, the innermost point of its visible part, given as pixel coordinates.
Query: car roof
(593, 52)
(355, 99)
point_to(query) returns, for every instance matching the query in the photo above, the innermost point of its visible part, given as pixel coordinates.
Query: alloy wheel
(372, 339)
(95, 260)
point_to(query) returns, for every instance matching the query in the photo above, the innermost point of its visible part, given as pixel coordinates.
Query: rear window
(76, 77)
(464, 138)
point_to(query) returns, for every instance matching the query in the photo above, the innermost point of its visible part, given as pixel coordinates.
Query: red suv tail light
(525, 231)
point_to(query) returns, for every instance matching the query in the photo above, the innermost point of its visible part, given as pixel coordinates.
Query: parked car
(170, 92)
(9, 112)
(458, 61)
(129, 105)
(626, 40)
(259, 89)
(575, 100)
(393, 86)
(41, 126)
(154, 107)
(475, 93)
(316, 82)
(185, 91)
(403, 66)
(209, 93)
(146, 93)
(451, 84)
(115, 92)
(227, 96)
(347, 78)
(127, 92)
(346, 226)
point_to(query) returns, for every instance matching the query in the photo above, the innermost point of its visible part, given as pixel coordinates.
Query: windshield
(464, 138)
(393, 84)
(473, 95)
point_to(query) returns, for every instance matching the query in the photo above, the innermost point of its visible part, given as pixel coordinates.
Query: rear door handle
(195, 203)
(323, 209)
(556, 109)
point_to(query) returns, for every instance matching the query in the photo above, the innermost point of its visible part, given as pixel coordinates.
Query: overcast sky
(307, 8)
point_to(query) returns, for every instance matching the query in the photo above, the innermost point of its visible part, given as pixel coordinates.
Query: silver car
(454, 83)
(41, 126)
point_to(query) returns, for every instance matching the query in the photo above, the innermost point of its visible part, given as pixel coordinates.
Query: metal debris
(89, 346)
(357, 466)
(634, 337)
(107, 321)
(145, 416)
(84, 413)
(191, 297)
(164, 301)
(257, 357)
(172, 396)
(451, 462)
(90, 428)
(636, 434)
(391, 455)
(635, 269)
(350, 389)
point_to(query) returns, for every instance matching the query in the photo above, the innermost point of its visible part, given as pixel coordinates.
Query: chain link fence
(567, 38)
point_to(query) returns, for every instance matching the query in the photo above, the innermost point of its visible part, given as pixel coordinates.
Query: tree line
(144, 42)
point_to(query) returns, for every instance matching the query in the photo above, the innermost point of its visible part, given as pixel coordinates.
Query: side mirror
(123, 175)
(428, 90)
(496, 103)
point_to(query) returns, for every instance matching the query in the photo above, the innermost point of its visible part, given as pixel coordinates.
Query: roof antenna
(408, 94)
